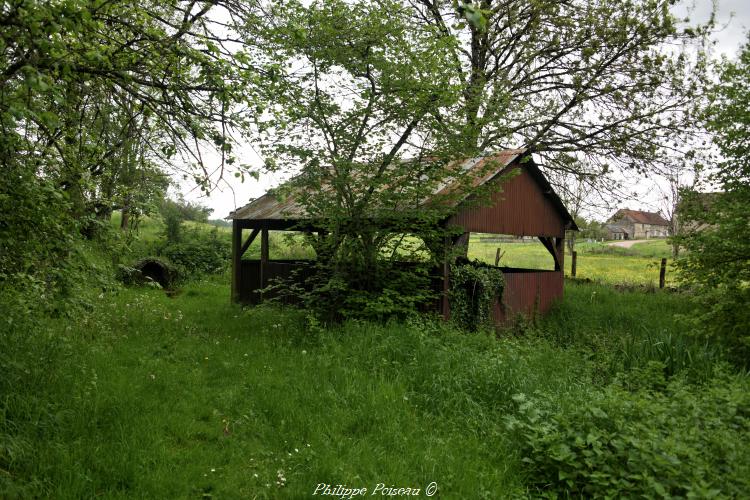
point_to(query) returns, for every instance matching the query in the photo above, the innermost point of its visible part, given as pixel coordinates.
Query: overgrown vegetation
(475, 289)
(147, 395)
(669, 440)
(109, 388)
(715, 225)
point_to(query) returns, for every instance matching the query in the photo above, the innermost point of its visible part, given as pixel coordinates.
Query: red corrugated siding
(520, 209)
(528, 292)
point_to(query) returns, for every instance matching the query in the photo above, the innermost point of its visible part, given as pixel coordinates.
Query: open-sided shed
(524, 205)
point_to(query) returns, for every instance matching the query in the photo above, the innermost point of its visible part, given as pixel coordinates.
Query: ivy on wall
(474, 288)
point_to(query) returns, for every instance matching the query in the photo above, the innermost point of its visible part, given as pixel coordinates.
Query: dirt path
(625, 243)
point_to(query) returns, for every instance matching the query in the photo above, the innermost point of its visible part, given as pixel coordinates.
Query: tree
(371, 104)
(678, 179)
(355, 100)
(97, 100)
(717, 263)
(174, 212)
(570, 80)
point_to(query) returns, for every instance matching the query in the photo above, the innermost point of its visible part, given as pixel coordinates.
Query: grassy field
(190, 396)
(149, 395)
(596, 261)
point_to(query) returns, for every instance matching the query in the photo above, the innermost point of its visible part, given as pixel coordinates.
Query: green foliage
(382, 154)
(199, 253)
(175, 212)
(591, 229)
(475, 289)
(147, 395)
(377, 293)
(682, 442)
(97, 100)
(36, 231)
(620, 331)
(395, 92)
(715, 225)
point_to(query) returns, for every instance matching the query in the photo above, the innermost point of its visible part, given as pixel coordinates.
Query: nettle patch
(474, 288)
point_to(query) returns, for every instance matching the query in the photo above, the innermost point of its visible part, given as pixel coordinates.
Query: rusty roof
(270, 207)
(640, 217)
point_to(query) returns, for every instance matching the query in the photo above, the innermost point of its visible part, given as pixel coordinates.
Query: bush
(389, 290)
(199, 253)
(475, 287)
(688, 441)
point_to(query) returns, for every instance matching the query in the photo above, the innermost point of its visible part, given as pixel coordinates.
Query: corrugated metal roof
(270, 208)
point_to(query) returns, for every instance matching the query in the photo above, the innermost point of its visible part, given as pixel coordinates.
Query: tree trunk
(125, 220)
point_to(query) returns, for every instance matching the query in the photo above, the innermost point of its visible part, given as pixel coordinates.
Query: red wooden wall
(521, 209)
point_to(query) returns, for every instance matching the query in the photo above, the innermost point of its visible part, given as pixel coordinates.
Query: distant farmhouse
(634, 225)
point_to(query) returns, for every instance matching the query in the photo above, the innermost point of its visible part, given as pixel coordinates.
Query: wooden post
(573, 263)
(462, 241)
(446, 310)
(498, 256)
(560, 254)
(662, 272)
(263, 259)
(236, 260)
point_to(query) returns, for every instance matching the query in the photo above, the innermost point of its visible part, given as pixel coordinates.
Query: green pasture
(638, 265)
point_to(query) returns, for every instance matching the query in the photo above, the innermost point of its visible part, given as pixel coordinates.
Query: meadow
(596, 261)
(145, 394)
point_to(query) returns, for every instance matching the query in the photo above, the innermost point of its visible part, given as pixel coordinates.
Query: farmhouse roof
(270, 207)
(640, 217)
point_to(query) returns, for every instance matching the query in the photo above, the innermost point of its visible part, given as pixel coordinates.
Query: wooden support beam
(236, 260)
(445, 308)
(552, 248)
(263, 260)
(560, 252)
(249, 241)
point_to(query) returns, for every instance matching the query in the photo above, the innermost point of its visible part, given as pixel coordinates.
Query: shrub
(388, 290)
(475, 287)
(688, 441)
(199, 253)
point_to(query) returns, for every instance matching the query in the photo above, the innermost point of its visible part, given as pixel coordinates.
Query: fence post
(573, 264)
(662, 272)
(498, 256)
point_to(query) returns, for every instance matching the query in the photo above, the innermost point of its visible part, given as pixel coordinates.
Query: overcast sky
(733, 21)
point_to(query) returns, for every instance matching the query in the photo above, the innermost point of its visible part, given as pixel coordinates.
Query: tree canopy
(716, 224)
(100, 101)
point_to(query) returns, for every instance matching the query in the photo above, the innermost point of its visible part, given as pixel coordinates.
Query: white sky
(733, 21)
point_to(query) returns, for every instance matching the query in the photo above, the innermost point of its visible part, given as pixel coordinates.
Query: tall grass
(628, 329)
(146, 395)
(190, 396)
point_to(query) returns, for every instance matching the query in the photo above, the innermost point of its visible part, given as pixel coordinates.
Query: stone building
(636, 225)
